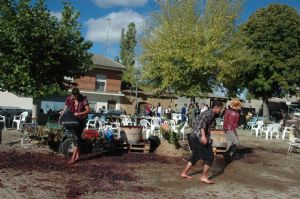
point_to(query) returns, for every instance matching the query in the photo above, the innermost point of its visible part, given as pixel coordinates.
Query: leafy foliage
(170, 135)
(191, 46)
(127, 55)
(38, 50)
(273, 35)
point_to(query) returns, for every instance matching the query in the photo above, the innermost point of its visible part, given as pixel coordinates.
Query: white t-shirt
(159, 109)
(204, 108)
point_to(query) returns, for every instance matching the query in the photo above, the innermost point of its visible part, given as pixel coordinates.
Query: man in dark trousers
(201, 144)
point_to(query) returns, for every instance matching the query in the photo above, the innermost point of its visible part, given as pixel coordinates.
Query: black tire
(66, 147)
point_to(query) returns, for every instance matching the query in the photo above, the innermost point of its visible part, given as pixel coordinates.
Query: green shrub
(171, 136)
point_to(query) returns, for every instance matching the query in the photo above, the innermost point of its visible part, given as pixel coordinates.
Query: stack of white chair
(155, 125)
(275, 130)
(257, 128)
(20, 120)
(266, 130)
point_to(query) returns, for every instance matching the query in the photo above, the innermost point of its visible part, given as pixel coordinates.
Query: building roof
(106, 63)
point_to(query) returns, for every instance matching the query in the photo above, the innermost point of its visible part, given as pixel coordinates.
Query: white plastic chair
(266, 130)
(115, 126)
(287, 130)
(275, 130)
(257, 128)
(19, 120)
(2, 120)
(176, 117)
(155, 125)
(146, 127)
(101, 126)
(172, 125)
(294, 143)
(182, 130)
(126, 121)
(92, 123)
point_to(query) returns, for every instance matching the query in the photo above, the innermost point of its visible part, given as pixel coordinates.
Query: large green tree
(37, 50)
(192, 46)
(127, 53)
(273, 35)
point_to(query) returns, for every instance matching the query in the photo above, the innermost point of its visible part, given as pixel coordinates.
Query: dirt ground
(264, 172)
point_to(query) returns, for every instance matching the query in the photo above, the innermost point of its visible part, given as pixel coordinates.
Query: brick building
(102, 86)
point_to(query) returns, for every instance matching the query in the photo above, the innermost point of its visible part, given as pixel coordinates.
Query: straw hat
(235, 104)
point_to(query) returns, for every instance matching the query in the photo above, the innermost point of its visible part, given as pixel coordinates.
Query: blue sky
(121, 12)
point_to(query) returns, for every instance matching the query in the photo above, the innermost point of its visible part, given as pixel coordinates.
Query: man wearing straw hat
(231, 123)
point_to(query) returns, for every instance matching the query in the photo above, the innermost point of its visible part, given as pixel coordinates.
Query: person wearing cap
(77, 104)
(231, 123)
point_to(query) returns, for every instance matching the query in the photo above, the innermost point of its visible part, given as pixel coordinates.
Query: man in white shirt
(158, 110)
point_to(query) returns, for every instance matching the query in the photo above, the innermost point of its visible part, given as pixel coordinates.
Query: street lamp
(137, 75)
(109, 21)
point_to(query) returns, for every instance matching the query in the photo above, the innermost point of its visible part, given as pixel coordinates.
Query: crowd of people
(189, 113)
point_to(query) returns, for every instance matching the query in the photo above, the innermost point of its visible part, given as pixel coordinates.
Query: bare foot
(76, 159)
(183, 175)
(207, 181)
(71, 161)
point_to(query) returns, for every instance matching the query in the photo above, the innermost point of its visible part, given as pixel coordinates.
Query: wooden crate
(139, 147)
(133, 147)
(219, 150)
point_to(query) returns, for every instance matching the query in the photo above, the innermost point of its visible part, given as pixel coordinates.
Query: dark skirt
(199, 151)
(77, 133)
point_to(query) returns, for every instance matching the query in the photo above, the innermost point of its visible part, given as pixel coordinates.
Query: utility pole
(109, 20)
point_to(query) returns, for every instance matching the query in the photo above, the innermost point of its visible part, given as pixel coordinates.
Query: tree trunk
(36, 104)
(265, 108)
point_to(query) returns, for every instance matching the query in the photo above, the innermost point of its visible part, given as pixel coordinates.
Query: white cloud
(123, 3)
(56, 14)
(97, 28)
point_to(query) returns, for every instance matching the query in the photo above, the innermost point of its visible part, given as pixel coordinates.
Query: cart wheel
(66, 147)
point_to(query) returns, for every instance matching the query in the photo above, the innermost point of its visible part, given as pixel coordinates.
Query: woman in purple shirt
(79, 106)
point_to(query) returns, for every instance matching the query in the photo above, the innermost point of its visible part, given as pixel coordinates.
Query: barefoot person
(200, 142)
(77, 104)
(231, 123)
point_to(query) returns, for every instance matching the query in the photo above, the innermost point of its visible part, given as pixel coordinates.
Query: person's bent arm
(203, 137)
(87, 110)
(62, 112)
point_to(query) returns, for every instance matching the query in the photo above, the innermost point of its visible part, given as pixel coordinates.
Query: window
(101, 82)
(111, 104)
